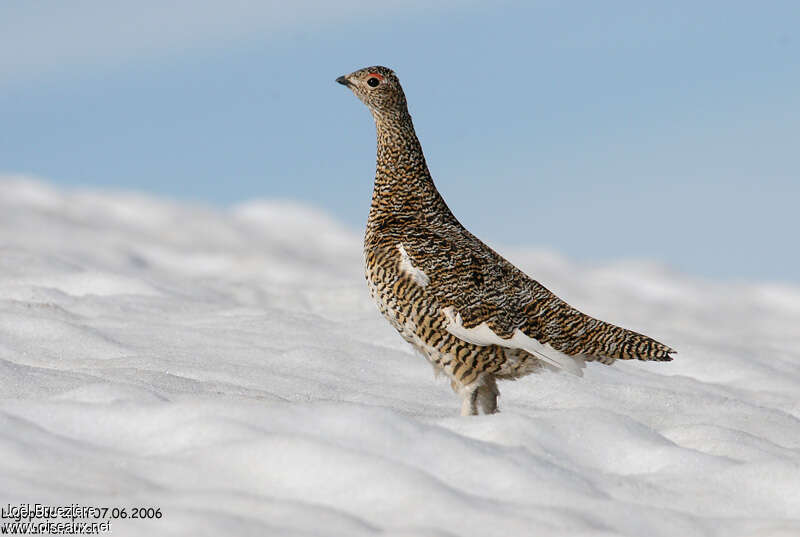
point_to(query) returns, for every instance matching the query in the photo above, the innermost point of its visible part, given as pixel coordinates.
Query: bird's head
(378, 88)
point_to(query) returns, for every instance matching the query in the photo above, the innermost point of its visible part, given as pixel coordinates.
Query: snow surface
(229, 368)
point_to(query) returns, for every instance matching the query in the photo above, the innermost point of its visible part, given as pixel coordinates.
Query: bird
(475, 316)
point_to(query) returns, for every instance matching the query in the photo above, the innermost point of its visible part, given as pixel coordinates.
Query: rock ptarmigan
(472, 314)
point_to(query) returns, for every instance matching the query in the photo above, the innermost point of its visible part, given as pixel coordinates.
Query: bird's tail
(574, 333)
(606, 342)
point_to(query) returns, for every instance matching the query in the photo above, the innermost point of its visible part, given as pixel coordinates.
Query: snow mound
(229, 368)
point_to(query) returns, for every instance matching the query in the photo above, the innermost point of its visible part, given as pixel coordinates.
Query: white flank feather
(406, 266)
(482, 335)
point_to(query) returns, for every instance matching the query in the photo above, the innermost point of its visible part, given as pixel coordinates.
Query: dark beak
(343, 81)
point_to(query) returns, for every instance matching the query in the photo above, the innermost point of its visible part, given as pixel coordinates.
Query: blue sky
(601, 130)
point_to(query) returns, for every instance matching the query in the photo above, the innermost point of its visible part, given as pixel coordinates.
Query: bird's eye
(373, 82)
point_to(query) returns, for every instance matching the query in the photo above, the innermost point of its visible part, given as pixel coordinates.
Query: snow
(229, 368)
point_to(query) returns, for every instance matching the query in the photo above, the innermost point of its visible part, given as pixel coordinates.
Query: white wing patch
(482, 335)
(407, 267)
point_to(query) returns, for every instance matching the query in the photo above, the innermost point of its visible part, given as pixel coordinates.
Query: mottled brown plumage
(473, 314)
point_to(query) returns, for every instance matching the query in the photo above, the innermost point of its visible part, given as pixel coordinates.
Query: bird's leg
(479, 397)
(469, 401)
(487, 395)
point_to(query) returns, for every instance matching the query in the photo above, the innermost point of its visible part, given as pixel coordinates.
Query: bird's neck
(403, 185)
(400, 158)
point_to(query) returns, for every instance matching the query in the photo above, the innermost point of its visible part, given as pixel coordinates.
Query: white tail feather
(482, 335)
